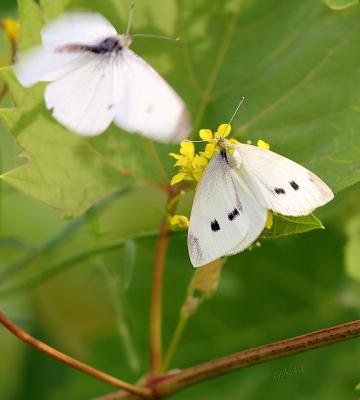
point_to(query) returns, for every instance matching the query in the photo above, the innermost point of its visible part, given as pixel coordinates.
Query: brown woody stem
(168, 384)
(87, 369)
(157, 292)
(283, 348)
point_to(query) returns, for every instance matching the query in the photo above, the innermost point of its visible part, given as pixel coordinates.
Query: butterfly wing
(84, 100)
(47, 62)
(280, 184)
(224, 219)
(39, 64)
(148, 105)
(76, 28)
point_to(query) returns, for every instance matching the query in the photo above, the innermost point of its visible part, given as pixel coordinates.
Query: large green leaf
(60, 168)
(294, 63)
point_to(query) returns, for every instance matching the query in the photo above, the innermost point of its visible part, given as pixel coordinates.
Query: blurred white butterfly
(96, 79)
(240, 184)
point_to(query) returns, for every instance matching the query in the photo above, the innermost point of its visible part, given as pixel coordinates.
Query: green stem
(179, 330)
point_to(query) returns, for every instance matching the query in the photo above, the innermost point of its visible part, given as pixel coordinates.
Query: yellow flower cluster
(192, 165)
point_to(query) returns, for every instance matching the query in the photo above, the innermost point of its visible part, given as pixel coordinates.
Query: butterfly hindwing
(280, 184)
(84, 100)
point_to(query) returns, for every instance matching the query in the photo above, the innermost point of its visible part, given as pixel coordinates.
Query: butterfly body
(239, 186)
(111, 45)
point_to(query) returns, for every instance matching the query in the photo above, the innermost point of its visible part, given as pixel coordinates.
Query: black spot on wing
(110, 106)
(294, 185)
(215, 226)
(233, 214)
(279, 191)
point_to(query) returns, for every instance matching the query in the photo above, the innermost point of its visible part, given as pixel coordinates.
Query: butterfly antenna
(150, 35)
(242, 98)
(131, 14)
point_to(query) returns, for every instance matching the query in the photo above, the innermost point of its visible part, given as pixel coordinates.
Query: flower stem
(157, 287)
(181, 324)
(72, 362)
(156, 299)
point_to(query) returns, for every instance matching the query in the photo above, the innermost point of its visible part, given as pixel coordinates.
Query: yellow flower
(224, 130)
(191, 165)
(210, 149)
(180, 221)
(206, 134)
(12, 28)
(263, 145)
(269, 221)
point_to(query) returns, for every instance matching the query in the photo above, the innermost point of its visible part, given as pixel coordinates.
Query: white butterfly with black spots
(240, 184)
(96, 79)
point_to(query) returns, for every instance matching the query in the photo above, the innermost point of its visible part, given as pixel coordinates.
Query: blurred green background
(298, 66)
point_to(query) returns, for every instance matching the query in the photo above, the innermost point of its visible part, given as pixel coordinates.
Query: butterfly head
(125, 40)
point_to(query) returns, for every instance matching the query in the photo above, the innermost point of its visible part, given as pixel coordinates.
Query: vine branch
(170, 383)
(283, 348)
(72, 362)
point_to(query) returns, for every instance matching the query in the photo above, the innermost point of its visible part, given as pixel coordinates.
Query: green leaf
(294, 63)
(357, 387)
(352, 248)
(31, 22)
(61, 170)
(283, 226)
(340, 4)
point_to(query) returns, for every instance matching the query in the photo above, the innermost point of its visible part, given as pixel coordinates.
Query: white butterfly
(236, 191)
(96, 79)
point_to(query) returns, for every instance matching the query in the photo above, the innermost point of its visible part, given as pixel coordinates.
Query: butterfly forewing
(280, 184)
(76, 28)
(220, 217)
